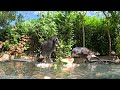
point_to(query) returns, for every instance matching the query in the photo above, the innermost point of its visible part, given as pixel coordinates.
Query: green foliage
(96, 35)
(118, 45)
(77, 31)
(65, 31)
(41, 30)
(6, 17)
(6, 46)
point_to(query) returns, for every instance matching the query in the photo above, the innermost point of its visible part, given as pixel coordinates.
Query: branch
(104, 14)
(16, 60)
(83, 13)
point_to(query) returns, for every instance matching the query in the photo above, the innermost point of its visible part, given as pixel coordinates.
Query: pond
(27, 70)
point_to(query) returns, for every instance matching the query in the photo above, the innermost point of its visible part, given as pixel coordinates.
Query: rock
(47, 77)
(69, 66)
(44, 65)
(68, 60)
(97, 53)
(12, 57)
(26, 57)
(117, 60)
(5, 57)
(38, 76)
(20, 76)
(98, 74)
(113, 53)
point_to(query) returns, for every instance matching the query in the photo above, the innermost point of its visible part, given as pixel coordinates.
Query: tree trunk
(107, 27)
(109, 38)
(83, 31)
(84, 13)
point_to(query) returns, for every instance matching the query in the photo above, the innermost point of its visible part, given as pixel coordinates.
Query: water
(25, 70)
(96, 71)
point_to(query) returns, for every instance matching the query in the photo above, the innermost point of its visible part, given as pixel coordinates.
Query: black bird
(48, 47)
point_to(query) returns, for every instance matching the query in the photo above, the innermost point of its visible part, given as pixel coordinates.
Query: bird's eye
(56, 39)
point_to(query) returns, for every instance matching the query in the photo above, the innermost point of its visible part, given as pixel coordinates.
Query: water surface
(25, 70)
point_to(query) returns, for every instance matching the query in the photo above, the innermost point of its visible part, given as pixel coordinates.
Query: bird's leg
(50, 57)
(44, 60)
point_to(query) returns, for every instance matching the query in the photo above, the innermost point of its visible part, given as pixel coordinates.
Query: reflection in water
(25, 70)
(16, 70)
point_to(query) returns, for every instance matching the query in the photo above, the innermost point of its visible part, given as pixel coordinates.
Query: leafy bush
(118, 45)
